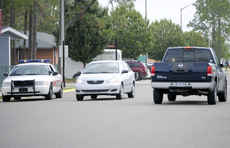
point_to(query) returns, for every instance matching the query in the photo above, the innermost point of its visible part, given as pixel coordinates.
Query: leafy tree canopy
(131, 31)
(193, 38)
(89, 35)
(166, 34)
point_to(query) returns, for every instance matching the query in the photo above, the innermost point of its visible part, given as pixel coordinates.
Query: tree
(166, 34)
(89, 35)
(131, 31)
(214, 15)
(38, 11)
(193, 38)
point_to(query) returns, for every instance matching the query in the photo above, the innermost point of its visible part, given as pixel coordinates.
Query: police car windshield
(30, 70)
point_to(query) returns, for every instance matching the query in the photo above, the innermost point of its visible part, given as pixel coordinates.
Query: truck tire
(157, 96)
(171, 97)
(212, 96)
(223, 96)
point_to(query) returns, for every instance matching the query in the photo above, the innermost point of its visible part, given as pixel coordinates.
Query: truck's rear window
(191, 55)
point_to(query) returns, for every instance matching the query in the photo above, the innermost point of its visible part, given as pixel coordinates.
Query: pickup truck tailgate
(181, 72)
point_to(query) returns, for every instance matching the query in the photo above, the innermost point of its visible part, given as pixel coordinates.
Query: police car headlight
(79, 81)
(6, 84)
(113, 80)
(42, 83)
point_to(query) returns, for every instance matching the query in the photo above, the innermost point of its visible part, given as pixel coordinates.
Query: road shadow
(185, 102)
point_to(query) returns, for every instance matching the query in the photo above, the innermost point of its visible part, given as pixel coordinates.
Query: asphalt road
(110, 123)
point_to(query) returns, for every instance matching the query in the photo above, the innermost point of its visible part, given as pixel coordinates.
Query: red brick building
(46, 48)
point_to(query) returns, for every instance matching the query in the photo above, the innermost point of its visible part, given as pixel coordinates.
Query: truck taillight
(209, 71)
(153, 71)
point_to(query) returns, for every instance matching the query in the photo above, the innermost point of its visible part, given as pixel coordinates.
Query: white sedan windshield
(110, 67)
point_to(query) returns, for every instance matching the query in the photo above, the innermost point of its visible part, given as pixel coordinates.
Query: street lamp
(181, 14)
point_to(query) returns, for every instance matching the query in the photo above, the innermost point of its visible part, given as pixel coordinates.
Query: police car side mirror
(55, 73)
(5, 74)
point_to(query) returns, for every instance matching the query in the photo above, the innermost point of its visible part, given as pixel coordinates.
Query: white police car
(32, 78)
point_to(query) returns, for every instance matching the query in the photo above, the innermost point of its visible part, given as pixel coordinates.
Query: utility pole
(146, 56)
(62, 40)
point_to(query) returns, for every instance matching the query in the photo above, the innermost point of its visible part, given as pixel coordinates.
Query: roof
(11, 30)
(45, 41)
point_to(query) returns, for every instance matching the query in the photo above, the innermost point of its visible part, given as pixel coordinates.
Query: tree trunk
(25, 31)
(1, 7)
(219, 49)
(12, 15)
(33, 32)
(30, 52)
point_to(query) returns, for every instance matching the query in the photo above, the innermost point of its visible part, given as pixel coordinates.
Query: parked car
(140, 69)
(32, 78)
(105, 78)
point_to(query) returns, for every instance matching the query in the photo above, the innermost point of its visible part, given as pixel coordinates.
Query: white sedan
(105, 78)
(32, 79)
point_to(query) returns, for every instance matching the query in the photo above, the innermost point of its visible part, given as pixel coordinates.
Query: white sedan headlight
(41, 83)
(113, 80)
(6, 84)
(79, 81)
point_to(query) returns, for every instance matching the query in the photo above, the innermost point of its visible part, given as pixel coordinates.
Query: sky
(165, 9)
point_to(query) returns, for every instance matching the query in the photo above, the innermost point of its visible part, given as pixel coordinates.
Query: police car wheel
(60, 93)
(5, 98)
(50, 94)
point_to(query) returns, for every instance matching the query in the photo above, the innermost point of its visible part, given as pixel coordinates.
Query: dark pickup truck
(189, 71)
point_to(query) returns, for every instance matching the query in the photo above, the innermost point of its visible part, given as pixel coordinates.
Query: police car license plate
(23, 90)
(180, 84)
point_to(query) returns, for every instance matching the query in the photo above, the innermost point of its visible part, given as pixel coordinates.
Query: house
(46, 48)
(8, 34)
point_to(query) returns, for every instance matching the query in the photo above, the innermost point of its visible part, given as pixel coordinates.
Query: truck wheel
(171, 97)
(157, 96)
(6, 98)
(79, 97)
(223, 96)
(212, 96)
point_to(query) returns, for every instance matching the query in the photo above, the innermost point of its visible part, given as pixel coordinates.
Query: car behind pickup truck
(189, 71)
